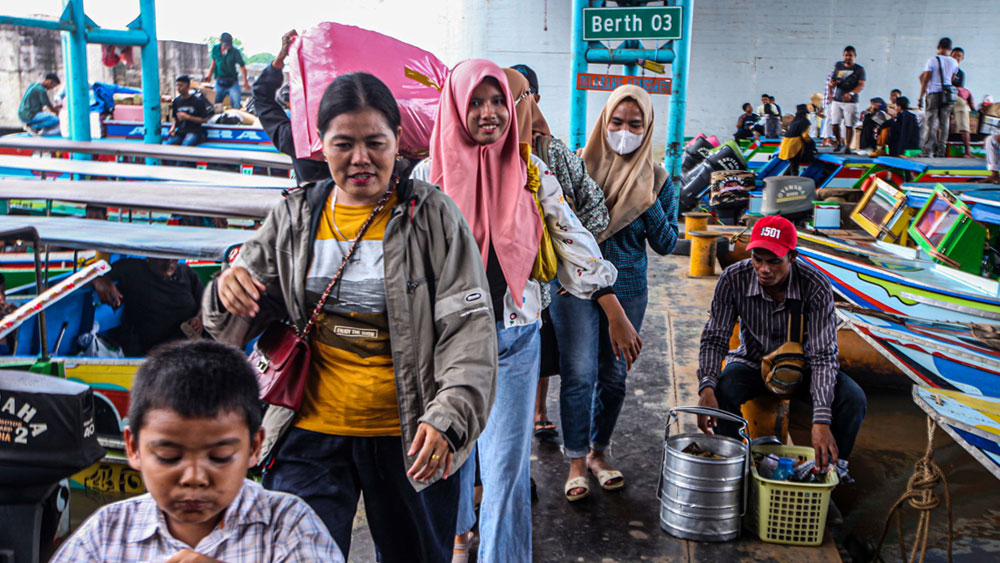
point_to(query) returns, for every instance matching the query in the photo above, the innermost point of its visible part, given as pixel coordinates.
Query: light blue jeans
(43, 120)
(592, 381)
(505, 451)
(235, 94)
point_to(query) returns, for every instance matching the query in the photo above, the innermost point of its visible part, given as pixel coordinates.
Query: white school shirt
(948, 64)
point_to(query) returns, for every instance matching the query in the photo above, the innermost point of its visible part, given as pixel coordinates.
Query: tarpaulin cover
(329, 50)
(46, 428)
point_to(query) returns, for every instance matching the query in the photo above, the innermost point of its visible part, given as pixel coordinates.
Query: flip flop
(605, 477)
(545, 429)
(577, 483)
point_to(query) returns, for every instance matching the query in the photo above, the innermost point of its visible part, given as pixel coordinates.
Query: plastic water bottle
(785, 469)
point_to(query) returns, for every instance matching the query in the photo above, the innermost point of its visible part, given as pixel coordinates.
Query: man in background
(935, 78)
(848, 80)
(190, 111)
(225, 59)
(964, 103)
(37, 111)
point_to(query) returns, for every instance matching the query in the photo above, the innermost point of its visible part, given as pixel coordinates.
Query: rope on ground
(920, 494)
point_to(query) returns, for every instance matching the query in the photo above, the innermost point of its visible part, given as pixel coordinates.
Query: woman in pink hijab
(477, 160)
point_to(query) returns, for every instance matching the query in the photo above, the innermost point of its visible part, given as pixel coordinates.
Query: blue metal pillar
(75, 56)
(578, 98)
(678, 97)
(632, 69)
(150, 73)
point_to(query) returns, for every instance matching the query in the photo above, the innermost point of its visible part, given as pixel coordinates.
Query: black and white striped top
(764, 327)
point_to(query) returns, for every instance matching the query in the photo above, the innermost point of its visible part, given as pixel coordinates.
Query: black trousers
(330, 472)
(739, 383)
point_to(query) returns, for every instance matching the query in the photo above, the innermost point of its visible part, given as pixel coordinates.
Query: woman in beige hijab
(643, 207)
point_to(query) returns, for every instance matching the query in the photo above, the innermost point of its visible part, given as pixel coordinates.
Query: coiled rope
(920, 495)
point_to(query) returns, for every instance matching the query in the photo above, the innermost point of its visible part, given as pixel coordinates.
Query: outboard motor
(789, 196)
(695, 183)
(47, 433)
(697, 150)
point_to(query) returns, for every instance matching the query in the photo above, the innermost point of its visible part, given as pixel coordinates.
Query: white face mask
(624, 142)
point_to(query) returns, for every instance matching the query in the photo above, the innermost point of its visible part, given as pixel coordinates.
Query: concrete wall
(743, 48)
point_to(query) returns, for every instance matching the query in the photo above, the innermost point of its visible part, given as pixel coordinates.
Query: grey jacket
(443, 336)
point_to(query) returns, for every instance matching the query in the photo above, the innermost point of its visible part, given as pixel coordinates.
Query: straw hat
(816, 99)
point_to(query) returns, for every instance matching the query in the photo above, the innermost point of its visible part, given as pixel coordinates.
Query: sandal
(577, 483)
(545, 429)
(607, 479)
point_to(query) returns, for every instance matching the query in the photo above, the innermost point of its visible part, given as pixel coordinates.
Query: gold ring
(435, 457)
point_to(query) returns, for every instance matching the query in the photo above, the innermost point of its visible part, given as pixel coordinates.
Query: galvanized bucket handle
(718, 413)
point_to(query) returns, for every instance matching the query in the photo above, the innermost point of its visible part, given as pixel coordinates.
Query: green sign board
(622, 24)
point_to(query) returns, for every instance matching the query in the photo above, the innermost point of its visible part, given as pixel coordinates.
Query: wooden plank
(140, 172)
(191, 199)
(135, 149)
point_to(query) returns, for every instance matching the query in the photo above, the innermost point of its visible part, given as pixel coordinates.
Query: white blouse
(582, 269)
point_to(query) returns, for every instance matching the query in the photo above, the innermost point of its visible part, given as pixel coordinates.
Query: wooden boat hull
(972, 421)
(914, 288)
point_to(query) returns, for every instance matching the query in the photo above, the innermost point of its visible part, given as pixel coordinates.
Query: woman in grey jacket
(404, 351)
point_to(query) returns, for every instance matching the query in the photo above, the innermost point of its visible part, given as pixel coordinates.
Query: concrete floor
(624, 526)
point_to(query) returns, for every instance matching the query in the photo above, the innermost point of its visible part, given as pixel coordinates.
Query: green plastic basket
(786, 512)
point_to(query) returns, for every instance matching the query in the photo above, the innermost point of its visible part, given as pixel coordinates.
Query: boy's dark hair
(744, 106)
(184, 78)
(944, 43)
(226, 39)
(530, 75)
(765, 95)
(895, 90)
(353, 92)
(903, 102)
(53, 77)
(959, 49)
(201, 378)
(850, 48)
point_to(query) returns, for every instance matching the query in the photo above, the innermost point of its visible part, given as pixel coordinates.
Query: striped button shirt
(258, 526)
(764, 327)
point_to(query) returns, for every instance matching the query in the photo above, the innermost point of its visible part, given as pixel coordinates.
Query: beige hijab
(530, 121)
(630, 182)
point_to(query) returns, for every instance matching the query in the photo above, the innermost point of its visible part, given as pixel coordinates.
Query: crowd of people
(895, 127)
(425, 289)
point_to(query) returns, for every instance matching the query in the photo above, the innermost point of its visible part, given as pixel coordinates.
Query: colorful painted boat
(955, 368)
(896, 280)
(898, 170)
(831, 170)
(972, 421)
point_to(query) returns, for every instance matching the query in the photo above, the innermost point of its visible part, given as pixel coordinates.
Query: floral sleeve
(584, 195)
(582, 270)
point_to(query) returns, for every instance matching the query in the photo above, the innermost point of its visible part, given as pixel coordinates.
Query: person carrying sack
(767, 293)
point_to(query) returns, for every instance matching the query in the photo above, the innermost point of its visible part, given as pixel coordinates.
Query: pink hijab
(486, 181)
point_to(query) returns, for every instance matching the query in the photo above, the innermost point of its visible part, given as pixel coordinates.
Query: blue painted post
(632, 69)
(578, 98)
(75, 56)
(678, 97)
(150, 73)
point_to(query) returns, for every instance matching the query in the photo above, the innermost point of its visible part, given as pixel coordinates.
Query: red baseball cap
(774, 233)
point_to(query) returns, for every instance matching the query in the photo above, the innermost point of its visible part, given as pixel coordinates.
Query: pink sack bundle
(329, 50)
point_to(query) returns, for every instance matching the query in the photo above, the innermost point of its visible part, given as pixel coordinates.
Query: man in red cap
(762, 293)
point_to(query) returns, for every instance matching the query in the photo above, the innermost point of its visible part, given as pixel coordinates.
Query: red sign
(608, 82)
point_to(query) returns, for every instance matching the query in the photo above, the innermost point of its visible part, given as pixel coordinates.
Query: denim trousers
(184, 139)
(592, 381)
(738, 383)
(330, 472)
(505, 451)
(233, 91)
(43, 120)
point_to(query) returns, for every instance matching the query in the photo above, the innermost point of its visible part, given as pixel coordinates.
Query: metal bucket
(703, 498)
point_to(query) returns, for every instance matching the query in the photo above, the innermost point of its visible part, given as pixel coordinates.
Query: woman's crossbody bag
(281, 356)
(783, 368)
